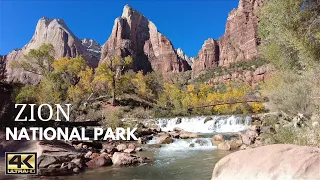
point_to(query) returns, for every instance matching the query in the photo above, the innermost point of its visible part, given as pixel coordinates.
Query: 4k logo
(21, 163)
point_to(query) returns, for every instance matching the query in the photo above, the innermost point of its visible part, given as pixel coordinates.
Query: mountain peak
(47, 21)
(127, 11)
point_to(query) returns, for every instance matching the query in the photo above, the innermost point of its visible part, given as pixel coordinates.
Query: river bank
(158, 152)
(165, 150)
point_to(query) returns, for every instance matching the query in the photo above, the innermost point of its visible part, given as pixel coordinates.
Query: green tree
(290, 32)
(70, 68)
(37, 61)
(112, 72)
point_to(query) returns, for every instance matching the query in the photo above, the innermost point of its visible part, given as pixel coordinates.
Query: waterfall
(206, 124)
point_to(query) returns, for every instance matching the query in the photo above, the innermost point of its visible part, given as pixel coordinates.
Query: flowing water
(206, 124)
(191, 159)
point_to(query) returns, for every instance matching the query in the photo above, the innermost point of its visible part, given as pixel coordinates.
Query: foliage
(112, 118)
(141, 113)
(289, 30)
(70, 68)
(141, 85)
(37, 61)
(154, 82)
(111, 72)
(84, 87)
(181, 79)
(63, 79)
(180, 101)
(233, 67)
(300, 136)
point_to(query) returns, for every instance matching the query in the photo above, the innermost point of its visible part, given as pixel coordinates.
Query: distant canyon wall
(239, 43)
(134, 35)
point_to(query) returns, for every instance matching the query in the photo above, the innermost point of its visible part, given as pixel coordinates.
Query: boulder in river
(126, 159)
(235, 143)
(249, 137)
(217, 139)
(121, 147)
(164, 139)
(99, 161)
(130, 151)
(225, 146)
(279, 161)
(188, 135)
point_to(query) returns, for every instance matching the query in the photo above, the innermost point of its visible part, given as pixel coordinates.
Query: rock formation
(183, 56)
(134, 35)
(239, 43)
(93, 47)
(249, 76)
(208, 57)
(65, 43)
(279, 161)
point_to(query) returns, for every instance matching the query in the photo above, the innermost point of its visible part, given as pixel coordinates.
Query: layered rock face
(183, 56)
(239, 43)
(134, 35)
(208, 57)
(65, 43)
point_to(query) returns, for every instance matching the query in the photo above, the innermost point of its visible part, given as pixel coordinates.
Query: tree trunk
(113, 91)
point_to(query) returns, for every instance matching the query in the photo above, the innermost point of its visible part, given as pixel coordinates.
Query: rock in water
(225, 146)
(217, 139)
(280, 161)
(65, 43)
(134, 35)
(99, 161)
(126, 159)
(165, 139)
(121, 147)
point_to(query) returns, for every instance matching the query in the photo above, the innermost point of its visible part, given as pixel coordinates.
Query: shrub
(142, 113)
(299, 136)
(112, 118)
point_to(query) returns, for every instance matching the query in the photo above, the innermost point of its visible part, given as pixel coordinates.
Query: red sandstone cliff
(134, 35)
(239, 43)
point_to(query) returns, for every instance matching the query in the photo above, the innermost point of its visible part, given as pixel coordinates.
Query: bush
(142, 113)
(293, 93)
(233, 67)
(299, 136)
(112, 118)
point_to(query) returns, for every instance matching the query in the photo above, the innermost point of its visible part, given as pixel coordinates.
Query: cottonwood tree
(37, 61)
(70, 68)
(111, 71)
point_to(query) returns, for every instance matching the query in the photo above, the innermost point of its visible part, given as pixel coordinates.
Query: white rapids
(219, 124)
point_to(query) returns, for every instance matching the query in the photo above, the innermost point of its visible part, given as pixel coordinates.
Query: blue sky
(187, 23)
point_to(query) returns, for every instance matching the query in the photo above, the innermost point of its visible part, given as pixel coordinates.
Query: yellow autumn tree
(83, 88)
(111, 72)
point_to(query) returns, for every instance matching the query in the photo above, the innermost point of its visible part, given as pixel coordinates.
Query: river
(191, 159)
